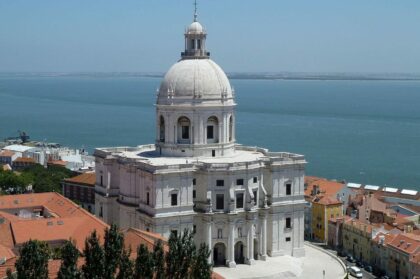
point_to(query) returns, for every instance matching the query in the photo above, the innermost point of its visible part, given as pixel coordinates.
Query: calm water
(361, 131)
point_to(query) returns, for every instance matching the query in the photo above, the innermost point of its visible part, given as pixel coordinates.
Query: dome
(195, 27)
(195, 79)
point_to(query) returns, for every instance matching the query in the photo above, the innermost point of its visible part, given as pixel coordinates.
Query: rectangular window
(102, 180)
(288, 189)
(194, 228)
(174, 199)
(220, 182)
(288, 223)
(255, 197)
(185, 132)
(288, 239)
(147, 198)
(194, 194)
(240, 200)
(193, 44)
(199, 44)
(220, 201)
(194, 181)
(240, 182)
(210, 132)
(255, 179)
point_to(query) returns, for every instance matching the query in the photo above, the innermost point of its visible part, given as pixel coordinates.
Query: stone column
(209, 238)
(264, 236)
(231, 245)
(250, 257)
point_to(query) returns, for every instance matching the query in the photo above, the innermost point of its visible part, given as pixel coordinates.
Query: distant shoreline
(233, 75)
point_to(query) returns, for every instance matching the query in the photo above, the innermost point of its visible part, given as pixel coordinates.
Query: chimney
(381, 239)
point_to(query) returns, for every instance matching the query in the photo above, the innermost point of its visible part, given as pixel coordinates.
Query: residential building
(379, 251)
(244, 202)
(7, 157)
(324, 208)
(23, 163)
(54, 219)
(44, 216)
(357, 238)
(317, 187)
(402, 251)
(19, 150)
(335, 232)
(81, 189)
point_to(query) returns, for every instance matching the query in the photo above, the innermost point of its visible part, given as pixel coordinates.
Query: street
(366, 275)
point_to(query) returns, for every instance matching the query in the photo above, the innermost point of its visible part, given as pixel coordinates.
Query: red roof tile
(87, 178)
(326, 187)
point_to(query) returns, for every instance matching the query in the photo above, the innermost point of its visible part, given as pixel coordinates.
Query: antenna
(195, 10)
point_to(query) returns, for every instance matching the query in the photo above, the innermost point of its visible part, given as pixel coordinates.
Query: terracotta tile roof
(387, 237)
(67, 220)
(326, 200)
(24, 160)
(57, 163)
(415, 258)
(4, 267)
(135, 237)
(406, 243)
(359, 225)
(6, 237)
(6, 253)
(6, 153)
(87, 178)
(326, 187)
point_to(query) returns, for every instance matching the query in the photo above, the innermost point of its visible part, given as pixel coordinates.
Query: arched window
(184, 127)
(162, 129)
(212, 130)
(230, 128)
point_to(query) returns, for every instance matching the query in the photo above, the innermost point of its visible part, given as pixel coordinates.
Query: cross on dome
(195, 10)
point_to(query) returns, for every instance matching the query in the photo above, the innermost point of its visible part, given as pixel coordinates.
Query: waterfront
(362, 131)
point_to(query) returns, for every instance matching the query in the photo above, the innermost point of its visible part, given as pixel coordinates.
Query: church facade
(246, 203)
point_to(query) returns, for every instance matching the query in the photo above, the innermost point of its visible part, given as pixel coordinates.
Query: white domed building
(244, 202)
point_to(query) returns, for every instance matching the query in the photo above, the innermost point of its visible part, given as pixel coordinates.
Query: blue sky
(243, 35)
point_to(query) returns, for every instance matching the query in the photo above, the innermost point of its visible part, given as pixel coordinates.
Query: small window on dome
(198, 44)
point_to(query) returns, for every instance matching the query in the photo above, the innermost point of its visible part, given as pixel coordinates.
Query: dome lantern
(195, 40)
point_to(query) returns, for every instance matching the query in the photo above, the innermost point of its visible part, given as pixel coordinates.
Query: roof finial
(195, 10)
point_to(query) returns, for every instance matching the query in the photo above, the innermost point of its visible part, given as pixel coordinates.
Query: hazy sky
(243, 35)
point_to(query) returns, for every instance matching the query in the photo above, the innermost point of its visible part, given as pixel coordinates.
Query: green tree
(94, 258)
(188, 253)
(181, 255)
(144, 263)
(172, 258)
(126, 266)
(9, 274)
(114, 242)
(69, 257)
(201, 267)
(33, 260)
(159, 260)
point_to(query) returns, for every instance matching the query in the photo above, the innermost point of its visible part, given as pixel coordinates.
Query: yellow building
(357, 238)
(323, 209)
